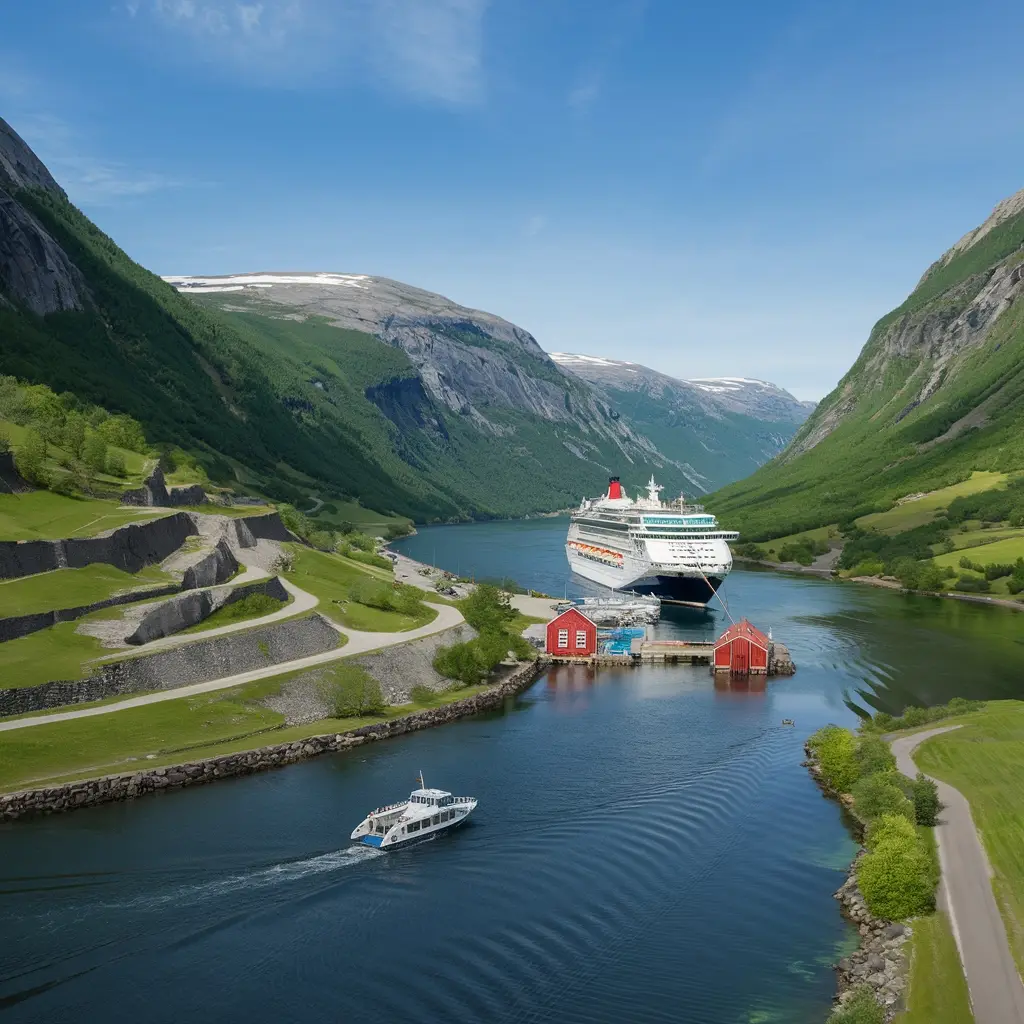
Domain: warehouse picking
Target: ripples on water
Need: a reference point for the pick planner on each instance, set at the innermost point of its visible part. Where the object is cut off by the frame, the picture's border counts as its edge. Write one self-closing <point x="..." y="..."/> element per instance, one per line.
<point x="647" y="848"/>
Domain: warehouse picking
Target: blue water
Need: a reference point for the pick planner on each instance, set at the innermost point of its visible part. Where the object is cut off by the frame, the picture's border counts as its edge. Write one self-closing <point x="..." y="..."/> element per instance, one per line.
<point x="647" y="847"/>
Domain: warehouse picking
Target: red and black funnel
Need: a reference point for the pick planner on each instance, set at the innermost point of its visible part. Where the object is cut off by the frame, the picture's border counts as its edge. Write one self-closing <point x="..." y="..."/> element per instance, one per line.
<point x="614" y="488"/>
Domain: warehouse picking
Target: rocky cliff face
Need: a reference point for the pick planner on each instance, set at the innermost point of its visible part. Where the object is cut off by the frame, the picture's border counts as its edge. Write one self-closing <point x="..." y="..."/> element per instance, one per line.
<point x="728" y="426"/>
<point x="34" y="270"/>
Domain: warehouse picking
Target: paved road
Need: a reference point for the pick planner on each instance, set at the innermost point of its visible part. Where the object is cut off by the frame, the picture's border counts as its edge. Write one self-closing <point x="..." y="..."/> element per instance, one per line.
<point x="997" y="994"/>
<point x="358" y="643"/>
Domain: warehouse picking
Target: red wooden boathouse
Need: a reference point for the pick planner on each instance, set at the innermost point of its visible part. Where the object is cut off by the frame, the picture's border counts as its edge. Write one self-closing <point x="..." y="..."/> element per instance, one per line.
<point x="742" y="648"/>
<point x="571" y="635"/>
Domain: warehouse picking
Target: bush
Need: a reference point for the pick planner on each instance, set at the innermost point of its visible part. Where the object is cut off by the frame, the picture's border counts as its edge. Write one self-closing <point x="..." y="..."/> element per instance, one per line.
<point x="835" y="750"/>
<point x="460" y="662"/>
<point x="869" y="567"/>
<point x="362" y="542"/>
<point x="925" y="795"/>
<point x="879" y="794"/>
<point x="322" y="540"/>
<point x="5" y="443"/>
<point x="972" y="585"/>
<point x="896" y="878"/>
<point x="873" y="755"/>
<point x="997" y="572"/>
<point x="115" y="464"/>
<point x="30" y="458"/>
<point x="889" y="827"/>
<point x="914" y="716"/>
<point x="352" y="692"/>
<point x="423" y="695"/>
<point x="486" y="607"/>
<point x="368" y="558"/>
<point x="862" y="1008"/>
<point x="751" y="551"/>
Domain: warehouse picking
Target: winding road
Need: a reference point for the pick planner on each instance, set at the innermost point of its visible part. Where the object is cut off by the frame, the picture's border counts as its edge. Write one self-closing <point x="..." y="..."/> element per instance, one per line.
<point x="358" y="642"/>
<point x="997" y="994"/>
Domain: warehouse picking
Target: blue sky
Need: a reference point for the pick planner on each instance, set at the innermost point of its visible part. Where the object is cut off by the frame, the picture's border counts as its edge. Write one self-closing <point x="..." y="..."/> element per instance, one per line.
<point x="711" y="189"/>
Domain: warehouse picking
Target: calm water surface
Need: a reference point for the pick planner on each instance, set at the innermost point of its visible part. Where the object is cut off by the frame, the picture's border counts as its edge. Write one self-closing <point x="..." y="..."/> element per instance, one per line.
<point x="647" y="846"/>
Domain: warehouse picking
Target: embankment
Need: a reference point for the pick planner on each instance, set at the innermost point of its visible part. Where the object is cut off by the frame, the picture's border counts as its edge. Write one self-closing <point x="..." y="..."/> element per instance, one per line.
<point x="197" y="662"/>
<point x="129" y="548"/>
<point x="88" y="793"/>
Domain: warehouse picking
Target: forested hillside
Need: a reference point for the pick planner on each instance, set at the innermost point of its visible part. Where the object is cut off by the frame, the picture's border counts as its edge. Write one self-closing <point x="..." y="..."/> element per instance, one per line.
<point x="936" y="394"/>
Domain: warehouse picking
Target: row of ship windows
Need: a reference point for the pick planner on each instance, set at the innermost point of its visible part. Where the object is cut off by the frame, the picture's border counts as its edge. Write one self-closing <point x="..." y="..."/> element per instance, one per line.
<point x="415" y="826"/>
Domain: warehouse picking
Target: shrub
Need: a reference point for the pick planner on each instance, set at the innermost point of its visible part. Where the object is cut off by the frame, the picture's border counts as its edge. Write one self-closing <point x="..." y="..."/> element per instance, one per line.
<point x="868" y="567"/>
<point x="914" y="716"/>
<point x="966" y="563"/>
<point x="368" y="558"/>
<point x="996" y="572"/>
<point x="925" y="795"/>
<point x="352" y="692"/>
<point x="30" y="459"/>
<point x="460" y="662"/>
<point x="873" y="755"/>
<point x="322" y="540"/>
<point x="889" y="827"/>
<point x="486" y="607"/>
<point x="896" y="878"/>
<point x="115" y="464"/>
<point x="362" y="542"/>
<point x="423" y="695"/>
<point x="880" y="794"/>
<point x="862" y="1008"/>
<point x="5" y="443"/>
<point x="972" y="585"/>
<point x="835" y="750"/>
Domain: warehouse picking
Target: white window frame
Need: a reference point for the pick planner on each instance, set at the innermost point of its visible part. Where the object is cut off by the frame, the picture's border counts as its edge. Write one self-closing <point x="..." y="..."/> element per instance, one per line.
<point x="563" y="638"/>
<point x="581" y="639"/>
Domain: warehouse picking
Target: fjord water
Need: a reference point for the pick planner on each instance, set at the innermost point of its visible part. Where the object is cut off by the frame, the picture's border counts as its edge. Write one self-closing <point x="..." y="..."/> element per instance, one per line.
<point x="647" y="846"/>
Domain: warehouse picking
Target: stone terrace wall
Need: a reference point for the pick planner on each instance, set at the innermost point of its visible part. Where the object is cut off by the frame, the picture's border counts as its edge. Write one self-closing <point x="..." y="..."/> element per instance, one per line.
<point x="120" y="787"/>
<point x="190" y="609"/>
<point x="196" y="662"/>
<point x="129" y="548"/>
<point x="216" y="567"/>
<point x="154" y="492"/>
<point x="268" y="526"/>
<point x="401" y="667"/>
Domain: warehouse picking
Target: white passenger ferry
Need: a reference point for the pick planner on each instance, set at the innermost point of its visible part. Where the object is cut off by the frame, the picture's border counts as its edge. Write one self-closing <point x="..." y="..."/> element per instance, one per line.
<point x="426" y="813"/>
<point x="672" y="550"/>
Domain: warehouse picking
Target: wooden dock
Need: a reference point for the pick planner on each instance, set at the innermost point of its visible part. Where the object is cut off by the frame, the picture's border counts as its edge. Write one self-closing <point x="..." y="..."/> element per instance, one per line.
<point x="678" y="652"/>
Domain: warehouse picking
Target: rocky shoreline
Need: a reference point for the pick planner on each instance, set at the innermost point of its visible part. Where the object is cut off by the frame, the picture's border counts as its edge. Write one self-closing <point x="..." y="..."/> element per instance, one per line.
<point x="880" y="959"/>
<point x="128" y="785"/>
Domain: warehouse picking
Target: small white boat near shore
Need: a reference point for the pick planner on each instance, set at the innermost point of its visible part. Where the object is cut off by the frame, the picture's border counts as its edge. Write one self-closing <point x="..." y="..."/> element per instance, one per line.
<point x="427" y="812"/>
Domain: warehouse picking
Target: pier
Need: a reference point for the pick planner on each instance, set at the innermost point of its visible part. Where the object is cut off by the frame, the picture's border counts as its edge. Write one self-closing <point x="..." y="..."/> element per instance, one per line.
<point x="681" y="652"/>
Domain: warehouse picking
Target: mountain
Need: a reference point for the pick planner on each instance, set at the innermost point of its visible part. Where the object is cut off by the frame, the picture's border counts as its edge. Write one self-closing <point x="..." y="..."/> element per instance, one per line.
<point x="936" y="393"/>
<point x="725" y="427"/>
<point x="299" y="385"/>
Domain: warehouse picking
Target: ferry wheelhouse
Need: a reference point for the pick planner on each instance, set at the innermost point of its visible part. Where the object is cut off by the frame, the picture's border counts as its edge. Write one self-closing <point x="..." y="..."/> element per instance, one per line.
<point x="672" y="550"/>
<point x="427" y="812"/>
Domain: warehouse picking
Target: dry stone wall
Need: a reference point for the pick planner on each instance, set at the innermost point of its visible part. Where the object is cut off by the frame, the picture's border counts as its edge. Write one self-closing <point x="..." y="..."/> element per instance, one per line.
<point x="129" y="548"/>
<point x="154" y="492"/>
<point x="121" y="787"/>
<point x="401" y="667"/>
<point x="197" y="662"/>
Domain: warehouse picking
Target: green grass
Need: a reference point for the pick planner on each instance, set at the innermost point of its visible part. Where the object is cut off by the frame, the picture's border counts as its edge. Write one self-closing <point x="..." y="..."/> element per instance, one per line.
<point x="329" y="577"/>
<point x="821" y="533"/>
<point x="165" y="733"/>
<point x="1004" y="551"/>
<point x="49" y="655"/>
<point x="337" y="513"/>
<point x="938" y="989"/>
<point x="922" y="510"/>
<point x="72" y="588"/>
<point x="42" y="515"/>
<point x="985" y="761"/>
<point x="255" y="606"/>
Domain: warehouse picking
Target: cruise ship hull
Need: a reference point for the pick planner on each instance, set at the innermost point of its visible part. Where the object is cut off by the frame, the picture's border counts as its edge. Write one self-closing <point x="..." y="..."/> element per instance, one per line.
<point x="674" y="588"/>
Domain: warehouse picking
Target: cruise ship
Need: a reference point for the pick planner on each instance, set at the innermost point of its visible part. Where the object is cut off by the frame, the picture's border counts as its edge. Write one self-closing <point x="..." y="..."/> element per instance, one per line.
<point x="673" y="550"/>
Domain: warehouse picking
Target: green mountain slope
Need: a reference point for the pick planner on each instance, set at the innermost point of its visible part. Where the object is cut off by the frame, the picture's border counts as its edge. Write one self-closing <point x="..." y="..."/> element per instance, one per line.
<point x="937" y="392"/>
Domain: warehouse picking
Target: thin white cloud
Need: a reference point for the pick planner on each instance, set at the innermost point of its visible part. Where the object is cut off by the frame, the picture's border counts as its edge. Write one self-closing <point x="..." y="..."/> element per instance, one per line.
<point x="430" y="49"/>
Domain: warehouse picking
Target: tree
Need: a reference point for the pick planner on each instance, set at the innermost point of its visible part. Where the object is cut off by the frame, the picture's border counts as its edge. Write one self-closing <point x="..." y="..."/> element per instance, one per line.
<point x="889" y="827"/>
<point x="460" y="662"/>
<point x="31" y="457"/>
<point x="94" y="452"/>
<point x="352" y="692"/>
<point x="880" y="794"/>
<point x="73" y="434"/>
<point x="896" y="879"/>
<point x="926" y="800"/>
<point x="834" y="749"/>
<point x="115" y="464"/>
<point x="873" y="755"/>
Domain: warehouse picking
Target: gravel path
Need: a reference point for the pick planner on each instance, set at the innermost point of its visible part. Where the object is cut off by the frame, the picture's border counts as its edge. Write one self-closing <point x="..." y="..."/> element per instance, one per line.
<point x="358" y="643"/>
<point x="997" y="994"/>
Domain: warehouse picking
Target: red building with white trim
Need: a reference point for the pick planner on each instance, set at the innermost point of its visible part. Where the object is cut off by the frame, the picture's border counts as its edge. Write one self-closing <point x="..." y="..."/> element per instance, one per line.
<point x="742" y="648"/>
<point x="571" y="635"/>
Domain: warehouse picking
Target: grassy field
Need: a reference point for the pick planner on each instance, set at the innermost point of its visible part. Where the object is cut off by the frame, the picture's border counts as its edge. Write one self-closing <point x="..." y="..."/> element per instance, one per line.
<point x="822" y="533"/>
<point x="975" y="535"/>
<point x="165" y="733"/>
<point x="1005" y="551"/>
<point x="330" y="578"/>
<point x="42" y="515"/>
<point x="922" y="510"/>
<point x="71" y="588"/>
<point x="51" y="654"/>
<point x="938" y="990"/>
<point x="985" y="761"/>
<point x="337" y="513"/>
